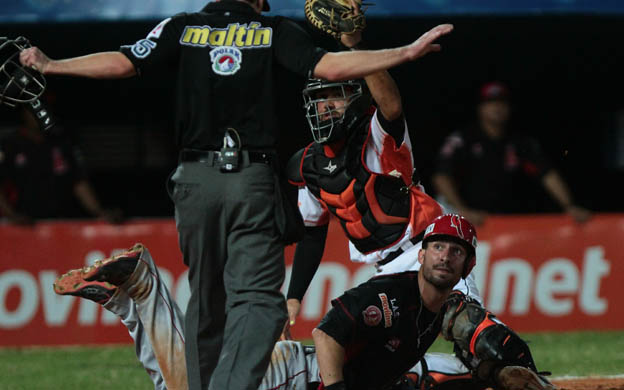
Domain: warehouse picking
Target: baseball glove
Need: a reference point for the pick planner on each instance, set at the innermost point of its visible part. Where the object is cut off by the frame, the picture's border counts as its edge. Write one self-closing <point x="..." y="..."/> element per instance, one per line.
<point x="335" y="17"/>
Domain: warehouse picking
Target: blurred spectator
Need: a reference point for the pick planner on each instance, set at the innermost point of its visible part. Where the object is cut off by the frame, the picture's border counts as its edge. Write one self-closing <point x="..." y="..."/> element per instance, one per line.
<point x="42" y="173"/>
<point x="484" y="169"/>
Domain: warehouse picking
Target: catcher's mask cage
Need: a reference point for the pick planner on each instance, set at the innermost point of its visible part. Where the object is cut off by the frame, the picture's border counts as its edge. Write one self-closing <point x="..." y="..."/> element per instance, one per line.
<point x="321" y="91"/>
<point x="18" y="84"/>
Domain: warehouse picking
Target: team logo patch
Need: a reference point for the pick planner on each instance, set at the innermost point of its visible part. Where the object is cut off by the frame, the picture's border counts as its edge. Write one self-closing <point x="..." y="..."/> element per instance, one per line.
<point x="387" y="312"/>
<point x="226" y="60"/>
<point x="372" y="315"/>
<point x="330" y="168"/>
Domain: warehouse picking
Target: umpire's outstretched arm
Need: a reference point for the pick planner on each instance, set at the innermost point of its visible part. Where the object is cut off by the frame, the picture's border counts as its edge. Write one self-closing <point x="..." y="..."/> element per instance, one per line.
<point x="358" y="64"/>
<point x="332" y="66"/>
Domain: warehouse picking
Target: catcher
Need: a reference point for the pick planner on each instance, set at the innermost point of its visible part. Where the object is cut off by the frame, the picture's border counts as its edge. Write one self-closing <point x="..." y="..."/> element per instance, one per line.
<point x="360" y="171"/>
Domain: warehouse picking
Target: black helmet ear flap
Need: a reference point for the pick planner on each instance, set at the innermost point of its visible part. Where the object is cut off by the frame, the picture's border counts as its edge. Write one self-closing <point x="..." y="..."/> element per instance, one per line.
<point x="18" y="84"/>
<point x="357" y="109"/>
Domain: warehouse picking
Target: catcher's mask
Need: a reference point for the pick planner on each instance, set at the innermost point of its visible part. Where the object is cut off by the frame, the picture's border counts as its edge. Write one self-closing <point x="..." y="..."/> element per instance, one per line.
<point x="343" y="104"/>
<point x="18" y="84"/>
<point x="458" y="229"/>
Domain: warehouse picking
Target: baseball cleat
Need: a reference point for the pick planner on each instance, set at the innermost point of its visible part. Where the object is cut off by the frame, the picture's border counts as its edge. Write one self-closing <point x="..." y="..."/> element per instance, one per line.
<point x="522" y="378"/>
<point x="72" y="283"/>
<point x="115" y="270"/>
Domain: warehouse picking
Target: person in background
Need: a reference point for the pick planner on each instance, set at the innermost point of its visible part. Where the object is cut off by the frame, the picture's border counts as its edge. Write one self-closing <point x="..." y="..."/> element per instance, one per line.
<point x="482" y="169"/>
<point x="42" y="174"/>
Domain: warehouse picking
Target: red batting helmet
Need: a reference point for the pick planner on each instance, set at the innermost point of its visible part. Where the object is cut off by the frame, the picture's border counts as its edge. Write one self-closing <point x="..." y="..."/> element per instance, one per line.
<point x="459" y="229"/>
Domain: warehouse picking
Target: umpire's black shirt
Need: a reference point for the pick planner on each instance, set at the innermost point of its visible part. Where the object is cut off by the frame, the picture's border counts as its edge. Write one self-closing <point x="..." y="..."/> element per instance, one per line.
<point x="227" y="58"/>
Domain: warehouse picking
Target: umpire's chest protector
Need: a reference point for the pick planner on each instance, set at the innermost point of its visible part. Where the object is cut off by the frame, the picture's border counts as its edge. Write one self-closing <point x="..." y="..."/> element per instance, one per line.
<point x="373" y="209"/>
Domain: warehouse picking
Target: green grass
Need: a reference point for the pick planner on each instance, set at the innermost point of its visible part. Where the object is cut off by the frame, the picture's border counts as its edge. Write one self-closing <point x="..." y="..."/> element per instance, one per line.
<point x="116" y="367"/>
<point x="72" y="368"/>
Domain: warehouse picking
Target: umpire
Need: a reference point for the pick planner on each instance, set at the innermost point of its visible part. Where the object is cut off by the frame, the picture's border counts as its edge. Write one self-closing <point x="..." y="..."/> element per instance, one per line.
<point x="224" y="188"/>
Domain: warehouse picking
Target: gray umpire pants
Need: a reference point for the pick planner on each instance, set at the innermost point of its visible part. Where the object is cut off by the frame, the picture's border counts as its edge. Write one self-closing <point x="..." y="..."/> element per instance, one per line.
<point x="229" y="240"/>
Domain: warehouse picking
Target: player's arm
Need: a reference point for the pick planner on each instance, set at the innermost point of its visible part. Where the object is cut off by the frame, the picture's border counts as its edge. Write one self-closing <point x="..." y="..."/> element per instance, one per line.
<point x="308" y="254"/>
<point x="380" y="84"/>
<point x="104" y="65"/>
<point x="309" y="250"/>
<point x="330" y="356"/>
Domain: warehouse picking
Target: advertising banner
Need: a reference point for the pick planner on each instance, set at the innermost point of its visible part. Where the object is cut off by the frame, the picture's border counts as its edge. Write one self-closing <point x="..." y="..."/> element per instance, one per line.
<point x="536" y="273"/>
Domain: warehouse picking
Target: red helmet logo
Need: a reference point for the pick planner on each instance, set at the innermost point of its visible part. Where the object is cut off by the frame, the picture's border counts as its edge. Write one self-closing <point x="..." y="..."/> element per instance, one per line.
<point x="454" y="225"/>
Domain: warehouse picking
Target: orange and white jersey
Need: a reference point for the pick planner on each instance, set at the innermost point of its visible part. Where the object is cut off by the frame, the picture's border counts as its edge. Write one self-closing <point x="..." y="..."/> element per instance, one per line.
<point x="380" y="155"/>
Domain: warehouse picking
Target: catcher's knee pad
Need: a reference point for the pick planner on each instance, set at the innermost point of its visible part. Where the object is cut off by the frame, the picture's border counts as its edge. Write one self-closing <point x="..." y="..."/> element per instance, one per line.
<point x="442" y="371"/>
<point x="479" y="334"/>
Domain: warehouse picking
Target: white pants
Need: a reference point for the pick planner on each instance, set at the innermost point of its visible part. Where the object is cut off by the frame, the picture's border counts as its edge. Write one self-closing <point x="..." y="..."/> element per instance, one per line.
<point x="155" y="323"/>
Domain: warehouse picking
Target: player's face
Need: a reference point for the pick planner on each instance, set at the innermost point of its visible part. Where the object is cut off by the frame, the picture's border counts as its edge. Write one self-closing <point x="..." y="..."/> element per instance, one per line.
<point x="442" y="263"/>
<point x="332" y="103"/>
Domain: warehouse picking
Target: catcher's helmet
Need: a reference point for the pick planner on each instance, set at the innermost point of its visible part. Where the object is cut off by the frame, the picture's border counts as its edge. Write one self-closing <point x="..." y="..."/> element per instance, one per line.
<point x="459" y="229"/>
<point x="18" y="84"/>
<point x="339" y="121"/>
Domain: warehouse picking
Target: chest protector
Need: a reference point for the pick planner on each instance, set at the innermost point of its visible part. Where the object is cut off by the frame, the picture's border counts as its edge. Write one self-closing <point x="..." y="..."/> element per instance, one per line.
<point x="373" y="209"/>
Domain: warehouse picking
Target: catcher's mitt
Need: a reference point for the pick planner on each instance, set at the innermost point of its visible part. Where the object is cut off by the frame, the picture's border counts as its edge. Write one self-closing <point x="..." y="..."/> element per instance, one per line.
<point x="335" y="17"/>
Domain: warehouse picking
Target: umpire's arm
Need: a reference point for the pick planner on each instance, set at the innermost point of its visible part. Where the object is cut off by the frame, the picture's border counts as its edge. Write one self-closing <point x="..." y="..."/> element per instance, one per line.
<point x="104" y="65"/>
<point x="358" y="64"/>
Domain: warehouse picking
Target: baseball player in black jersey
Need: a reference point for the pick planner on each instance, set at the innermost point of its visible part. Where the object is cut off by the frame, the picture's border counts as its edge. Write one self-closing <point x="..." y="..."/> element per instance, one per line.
<point x="377" y="331"/>
<point x="225" y="189"/>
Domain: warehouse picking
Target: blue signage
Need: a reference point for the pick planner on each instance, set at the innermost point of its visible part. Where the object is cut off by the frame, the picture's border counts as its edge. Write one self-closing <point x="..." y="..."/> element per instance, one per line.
<point x="119" y="10"/>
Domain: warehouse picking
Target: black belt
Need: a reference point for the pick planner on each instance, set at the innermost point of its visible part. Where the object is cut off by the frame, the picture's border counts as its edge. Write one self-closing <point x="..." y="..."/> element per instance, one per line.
<point x="211" y="156"/>
<point x="414" y="240"/>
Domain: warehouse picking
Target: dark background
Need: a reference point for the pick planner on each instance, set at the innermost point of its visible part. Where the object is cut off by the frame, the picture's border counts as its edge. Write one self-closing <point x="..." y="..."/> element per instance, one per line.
<point x="564" y="72"/>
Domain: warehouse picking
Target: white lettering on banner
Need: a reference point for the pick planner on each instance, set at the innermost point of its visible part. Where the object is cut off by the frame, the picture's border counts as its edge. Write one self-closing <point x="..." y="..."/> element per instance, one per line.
<point x="92" y="256"/>
<point x="337" y="277"/>
<point x="502" y="271"/>
<point x="557" y="284"/>
<point x="481" y="268"/>
<point x="557" y="277"/>
<point x="56" y="307"/>
<point x="556" y="289"/>
<point x="594" y="268"/>
<point x="87" y="312"/>
<point x="29" y="299"/>
<point x="108" y="318"/>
